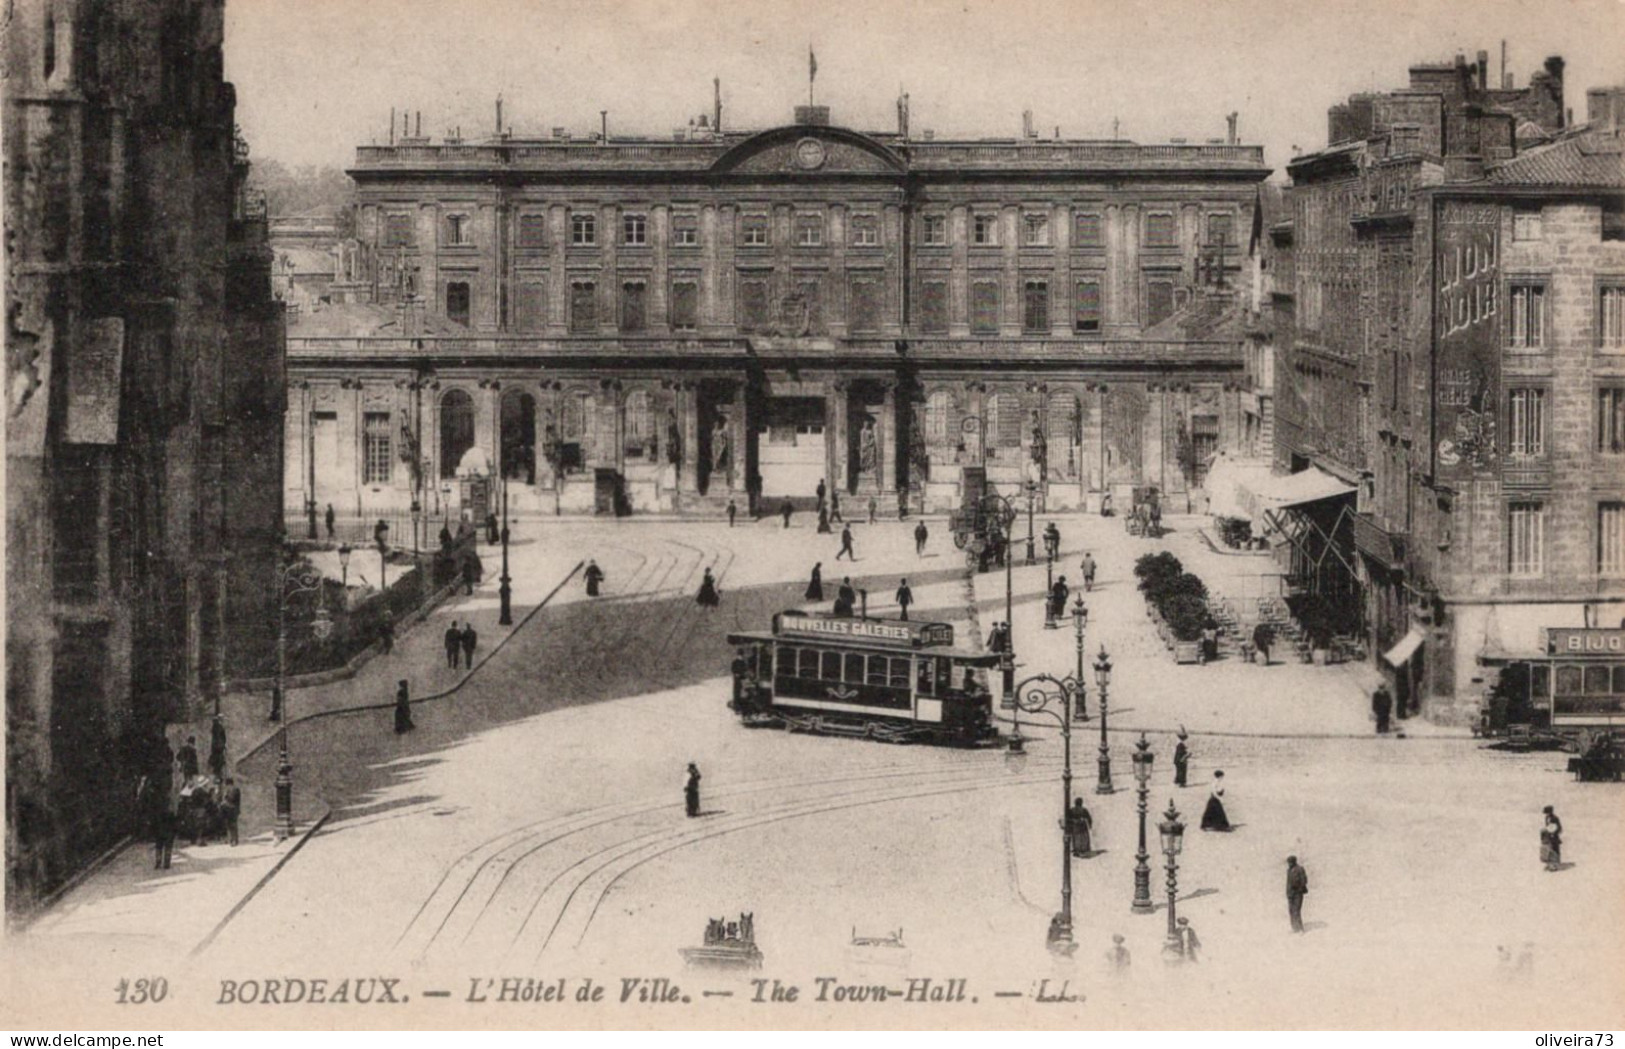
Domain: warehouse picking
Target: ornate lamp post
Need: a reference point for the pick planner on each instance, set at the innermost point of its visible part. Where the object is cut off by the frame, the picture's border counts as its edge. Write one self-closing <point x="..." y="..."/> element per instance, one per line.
<point x="293" y="577"/>
<point x="445" y="503"/>
<point x="1049" y="589"/>
<point x="1080" y="621"/>
<point x="1032" y="492"/>
<point x="1007" y="662"/>
<point x="344" y="569"/>
<point x="1103" y="679"/>
<point x="505" y="591"/>
<point x="1142" y="861"/>
<point x="417" y="515"/>
<point x="1173" y="838"/>
<point x="1043" y="694"/>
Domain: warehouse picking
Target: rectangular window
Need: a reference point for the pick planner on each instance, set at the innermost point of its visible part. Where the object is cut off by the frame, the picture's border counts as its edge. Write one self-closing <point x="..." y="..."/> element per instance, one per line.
<point x="457" y="231"/>
<point x="934" y="307"/>
<point x="685" y="305"/>
<point x="532" y="306"/>
<point x="753" y="314"/>
<point x="1528" y="323"/>
<point x="1035" y="230"/>
<point x="633" y="300"/>
<point x="685" y="231"/>
<point x="398" y="231"/>
<point x="1526" y="225"/>
<point x="583" y="229"/>
<point x="1526" y="538"/>
<point x="76" y="510"/>
<point x="830" y="670"/>
<point x="1526" y="422"/>
<point x="934" y="230"/>
<point x="866" y="299"/>
<point x="1221" y="229"/>
<point x="984" y="229"/>
<point x="583" y="307"/>
<point x="1611" y="420"/>
<point x="1088" y="231"/>
<point x="1035" y="307"/>
<point x="984" y="307"/>
<point x="809" y="231"/>
<point x="807" y="663"/>
<point x="753" y="231"/>
<point x="532" y="231"/>
<point x="1611" y="317"/>
<point x="1159" y="301"/>
<point x="1086" y="314"/>
<point x="1160" y="231"/>
<point x="375" y="441"/>
<point x="854" y="669"/>
<point x="634" y="230"/>
<point x="457" y="301"/>
<point x="1611" y="538"/>
<point x="877" y="671"/>
<point x="865" y="231"/>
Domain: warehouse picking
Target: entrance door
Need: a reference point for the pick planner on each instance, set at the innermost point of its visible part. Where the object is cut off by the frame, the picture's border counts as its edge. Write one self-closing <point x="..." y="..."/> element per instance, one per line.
<point x="791" y="454"/>
<point x="603" y="491"/>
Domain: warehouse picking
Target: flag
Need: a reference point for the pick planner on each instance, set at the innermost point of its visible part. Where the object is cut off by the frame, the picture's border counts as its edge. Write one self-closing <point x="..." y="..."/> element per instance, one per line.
<point x="812" y="64"/>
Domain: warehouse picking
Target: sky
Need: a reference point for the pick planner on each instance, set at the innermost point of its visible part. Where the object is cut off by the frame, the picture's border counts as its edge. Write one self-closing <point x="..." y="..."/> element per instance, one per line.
<point x="315" y="78"/>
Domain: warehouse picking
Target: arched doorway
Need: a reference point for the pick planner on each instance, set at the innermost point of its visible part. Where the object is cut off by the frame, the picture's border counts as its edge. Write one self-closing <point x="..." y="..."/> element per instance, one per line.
<point x="519" y="437"/>
<point x="456" y="430"/>
<point x="1063" y="436"/>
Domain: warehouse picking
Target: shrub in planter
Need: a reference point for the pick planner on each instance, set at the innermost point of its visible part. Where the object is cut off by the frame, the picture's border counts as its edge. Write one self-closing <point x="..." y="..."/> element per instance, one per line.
<point x="1157" y="573"/>
<point x="1235" y="532"/>
<point x="1264" y="637"/>
<point x="1187" y="616"/>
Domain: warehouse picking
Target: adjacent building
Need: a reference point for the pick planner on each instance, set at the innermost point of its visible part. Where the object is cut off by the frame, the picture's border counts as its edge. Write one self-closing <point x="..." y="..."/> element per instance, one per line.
<point x="144" y="412"/>
<point x="1449" y="281"/>
<point x="634" y="324"/>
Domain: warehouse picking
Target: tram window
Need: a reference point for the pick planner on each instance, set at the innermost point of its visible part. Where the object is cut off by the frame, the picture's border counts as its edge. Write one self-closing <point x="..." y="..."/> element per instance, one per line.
<point x="1568" y="680"/>
<point x="1540" y="681"/>
<point x="877" y="671"/>
<point x="1597" y="681"/>
<point x="787" y="660"/>
<point x="1619" y="680"/>
<point x="831" y="669"/>
<point x="808" y="663"/>
<point x="945" y="678"/>
<point x="899" y="673"/>
<point x="765" y="654"/>
<point x="854" y="669"/>
<point x="926" y="677"/>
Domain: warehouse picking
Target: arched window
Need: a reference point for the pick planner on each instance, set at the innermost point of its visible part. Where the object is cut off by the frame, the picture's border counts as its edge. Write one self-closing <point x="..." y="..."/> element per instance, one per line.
<point x="940" y="421"/>
<point x="640" y="428"/>
<point x="1004" y="420"/>
<point x="519" y="436"/>
<point x="577" y="443"/>
<point x="1065" y="422"/>
<point x="456" y="430"/>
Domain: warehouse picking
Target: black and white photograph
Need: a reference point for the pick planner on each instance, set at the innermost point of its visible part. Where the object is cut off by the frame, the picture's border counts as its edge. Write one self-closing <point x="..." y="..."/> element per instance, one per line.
<point x="896" y="515"/>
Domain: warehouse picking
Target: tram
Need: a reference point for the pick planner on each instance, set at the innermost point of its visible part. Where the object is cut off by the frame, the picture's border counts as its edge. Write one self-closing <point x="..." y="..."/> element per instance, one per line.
<point x="886" y="679"/>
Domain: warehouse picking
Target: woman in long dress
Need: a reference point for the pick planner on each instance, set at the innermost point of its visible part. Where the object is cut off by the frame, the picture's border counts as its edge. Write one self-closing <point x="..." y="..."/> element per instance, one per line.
<point x="1551" y="841"/>
<point x="403" y="709"/>
<point x="815" y="586"/>
<point x="708" y="597"/>
<point x="1214" y="816"/>
<point x="595" y="576"/>
<point x="1082" y="826"/>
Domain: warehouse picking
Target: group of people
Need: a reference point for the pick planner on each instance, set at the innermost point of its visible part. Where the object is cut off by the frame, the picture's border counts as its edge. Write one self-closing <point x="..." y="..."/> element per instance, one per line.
<point x="179" y="797"/>
<point x="461" y="642"/>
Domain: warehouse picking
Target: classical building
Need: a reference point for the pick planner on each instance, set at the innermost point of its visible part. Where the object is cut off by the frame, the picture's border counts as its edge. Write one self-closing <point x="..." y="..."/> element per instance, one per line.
<point x="1450" y="282"/>
<point x="144" y="393"/>
<point x="643" y="324"/>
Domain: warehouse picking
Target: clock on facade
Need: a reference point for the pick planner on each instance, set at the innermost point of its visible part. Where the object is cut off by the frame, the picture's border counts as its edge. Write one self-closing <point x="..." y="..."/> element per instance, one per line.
<point x="809" y="153"/>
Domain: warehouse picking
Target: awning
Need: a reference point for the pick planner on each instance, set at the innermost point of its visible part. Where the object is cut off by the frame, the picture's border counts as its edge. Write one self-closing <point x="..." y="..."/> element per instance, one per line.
<point x="1401" y="653"/>
<point x="1305" y="486"/>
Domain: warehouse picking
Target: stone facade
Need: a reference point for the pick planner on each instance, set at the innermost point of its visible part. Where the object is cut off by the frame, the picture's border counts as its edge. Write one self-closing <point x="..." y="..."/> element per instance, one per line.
<point x="145" y="398"/>
<point x="736" y="316"/>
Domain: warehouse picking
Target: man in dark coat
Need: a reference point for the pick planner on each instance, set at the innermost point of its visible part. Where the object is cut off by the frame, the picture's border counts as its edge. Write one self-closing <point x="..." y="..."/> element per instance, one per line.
<point x="187" y="756"/>
<point x="1297" y="887"/>
<point x="691" y="790"/>
<point x="469" y="639"/>
<point x="1057" y="597"/>
<point x="380" y="534"/>
<point x="822" y="492"/>
<point x="330" y="519"/>
<point x="921" y="534"/>
<point x="217" y="748"/>
<point x="595" y="577"/>
<point x="733" y="511"/>
<point x="835" y="507"/>
<point x="163" y="828"/>
<point x="471" y="572"/>
<point x="445" y="537"/>
<point x="846" y="598"/>
<point x="846" y="544"/>
<point x="905" y="597"/>
<point x="231" y="807"/>
<point x="823" y="520"/>
<point x="403" y="709"/>
<point x="785" y="510"/>
<point x="1182" y="759"/>
<point x="1382" y="705"/>
<point x="454" y="642"/>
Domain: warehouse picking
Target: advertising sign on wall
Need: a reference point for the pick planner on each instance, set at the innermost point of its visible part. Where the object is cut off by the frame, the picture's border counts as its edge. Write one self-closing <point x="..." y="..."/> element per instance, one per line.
<point x="1467" y="381"/>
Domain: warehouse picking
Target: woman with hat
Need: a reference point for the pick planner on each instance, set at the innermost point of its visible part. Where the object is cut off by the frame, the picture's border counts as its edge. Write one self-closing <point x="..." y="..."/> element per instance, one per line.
<point x="1551" y="840"/>
<point x="1214" y="816"/>
<point x="1182" y="758"/>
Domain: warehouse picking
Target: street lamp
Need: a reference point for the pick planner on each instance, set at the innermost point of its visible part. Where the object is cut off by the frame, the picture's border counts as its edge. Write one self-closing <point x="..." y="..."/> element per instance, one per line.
<point x="1007" y="664"/>
<point x="1080" y="620"/>
<point x="1142" y="861"/>
<point x="1049" y="590"/>
<point x="1032" y="492"/>
<point x="417" y="516"/>
<point x="344" y="568"/>
<point x="1103" y="679"/>
<point x="505" y="592"/>
<point x="293" y="577"/>
<point x="1040" y="694"/>
<point x="1173" y="837"/>
<point x="445" y="502"/>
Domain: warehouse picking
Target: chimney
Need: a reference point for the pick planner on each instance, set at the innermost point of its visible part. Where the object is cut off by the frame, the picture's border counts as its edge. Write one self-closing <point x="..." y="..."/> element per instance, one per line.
<point x="1027" y="124"/>
<point x="1503" y="77"/>
<point x="499" y="116"/>
<point x="1230" y="135"/>
<point x="392" y="125"/>
<point x="902" y="115"/>
<point x="603" y="126"/>
<point x="418" y="132"/>
<point x="1483" y="70"/>
<point x="716" y="104"/>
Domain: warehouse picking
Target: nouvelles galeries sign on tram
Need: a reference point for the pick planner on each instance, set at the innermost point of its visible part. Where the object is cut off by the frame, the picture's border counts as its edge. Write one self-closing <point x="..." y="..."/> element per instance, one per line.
<point x="922" y="634"/>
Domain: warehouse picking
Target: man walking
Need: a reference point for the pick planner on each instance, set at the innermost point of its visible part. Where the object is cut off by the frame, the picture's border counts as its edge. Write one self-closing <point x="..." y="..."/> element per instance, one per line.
<point x="823" y="490"/>
<point x="905" y="597"/>
<point x="846" y="544"/>
<point x="454" y="641"/>
<point x="733" y="511"/>
<point x="1088" y="571"/>
<point x="163" y="829"/>
<point x="231" y="806"/>
<point x="1382" y="705"/>
<point x="187" y="756"/>
<point x="1182" y="758"/>
<point x="1297" y="887"/>
<point x="469" y="639"/>
<point x="874" y="510"/>
<point x="1188" y="943"/>
<point x="1057" y="596"/>
<point x="835" y="506"/>
<point x="331" y="517"/>
<point x="920" y="536"/>
<point x="691" y="791"/>
<point x="785" y="510"/>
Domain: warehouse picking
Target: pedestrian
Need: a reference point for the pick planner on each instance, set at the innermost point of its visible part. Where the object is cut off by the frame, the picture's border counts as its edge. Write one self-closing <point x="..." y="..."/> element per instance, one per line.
<point x="815" y="586"/>
<point x="905" y="597"/>
<point x="187" y="756"/>
<point x="1052" y="539"/>
<point x="1057" y="598"/>
<point x="594" y="576"/>
<point x="874" y="509"/>
<point x="1297" y="887"/>
<point x="691" y="790"/>
<point x="835" y="506"/>
<point x="822" y="491"/>
<point x="1382" y="705"/>
<point x="386" y="631"/>
<point x="471" y="571"/>
<point x="491" y="529"/>
<point x="403" y="709"/>
<point x="708" y="596"/>
<point x="785" y="510"/>
<point x="231" y="806"/>
<point x="1188" y="943"/>
<point x="1263" y="638"/>
<point x="331" y="517"/>
<point x="469" y="639"/>
<point x="1080" y="826"/>
<point x="380" y="534"/>
<point x="445" y="537"/>
<point x="1551" y="840"/>
<point x="999" y="637"/>
<point x="733" y="511"/>
<point x="1182" y="758"/>
<point x="846" y="544"/>
<point x="276" y="705"/>
<point x="823" y="520"/>
<point x="454" y="644"/>
<point x="217" y="748"/>
<point x="1214" y="817"/>
<point x="845" y="597"/>
<point x="163" y="830"/>
<point x="921" y="534"/>
<point x="1118" y="956"/>
<point x="1088" y="571"/>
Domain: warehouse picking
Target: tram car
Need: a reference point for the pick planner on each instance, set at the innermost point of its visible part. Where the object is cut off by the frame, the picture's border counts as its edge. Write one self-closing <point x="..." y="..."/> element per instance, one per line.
<point x="886" y="679"/>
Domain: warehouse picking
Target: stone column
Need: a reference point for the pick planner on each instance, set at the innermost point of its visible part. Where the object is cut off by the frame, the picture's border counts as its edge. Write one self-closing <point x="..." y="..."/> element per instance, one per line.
<point x="839" y="410"/>
<point x="1095" y="440"/>
<point x="688" y="420"/>
<point x="959" y="282"/>
<point x="886" y="439"/>
<point x="493" y="429"/>
<point x="737" y="462"/>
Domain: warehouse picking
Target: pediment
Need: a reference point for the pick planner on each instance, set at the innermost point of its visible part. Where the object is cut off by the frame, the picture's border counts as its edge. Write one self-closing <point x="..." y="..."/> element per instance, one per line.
<point x="810" y="151"/>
